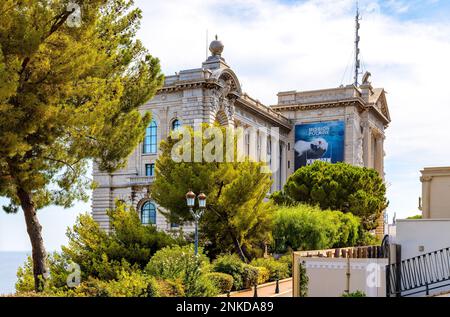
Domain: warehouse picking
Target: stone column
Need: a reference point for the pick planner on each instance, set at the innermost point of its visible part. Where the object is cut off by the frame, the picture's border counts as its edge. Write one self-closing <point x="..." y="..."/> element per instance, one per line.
<point x="164" y="123"/>
<point x="283" y="164"/>
<point x="252" y="144"/>
<point x="367" y="144"/>
<point x="426" y="193"/>
<point x="379" y="155"/>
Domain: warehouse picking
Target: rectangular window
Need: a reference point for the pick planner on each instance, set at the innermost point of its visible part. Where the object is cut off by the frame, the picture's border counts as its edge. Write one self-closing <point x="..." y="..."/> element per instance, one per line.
<point x="151" y="139"/>
<point x="150" y="169"/>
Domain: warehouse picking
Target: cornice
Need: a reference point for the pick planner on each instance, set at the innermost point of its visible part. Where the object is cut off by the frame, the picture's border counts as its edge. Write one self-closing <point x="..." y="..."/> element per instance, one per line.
<point x="322" y="105"/>
<point x="266" y="112"/>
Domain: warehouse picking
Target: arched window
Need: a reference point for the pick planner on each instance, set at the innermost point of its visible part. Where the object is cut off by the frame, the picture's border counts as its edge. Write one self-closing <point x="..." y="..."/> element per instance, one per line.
<point x="176" y="125"/>
<point x="151" y="138"/>
<point x="148" y="213"/>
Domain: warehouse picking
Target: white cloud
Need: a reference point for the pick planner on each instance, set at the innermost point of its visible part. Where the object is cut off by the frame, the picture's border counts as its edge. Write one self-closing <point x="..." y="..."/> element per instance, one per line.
<point x="299" y="46"/>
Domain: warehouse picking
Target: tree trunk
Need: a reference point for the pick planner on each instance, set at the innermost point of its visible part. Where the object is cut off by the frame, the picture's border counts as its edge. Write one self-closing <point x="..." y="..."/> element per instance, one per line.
<point x="34" y="229"/>
<point x="239" y="250"/>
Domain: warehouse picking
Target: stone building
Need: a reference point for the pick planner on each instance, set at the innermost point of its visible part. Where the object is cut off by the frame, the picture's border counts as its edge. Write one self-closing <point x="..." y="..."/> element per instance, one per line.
<point x="435" y="200"/>
<point x="212" y="93"/>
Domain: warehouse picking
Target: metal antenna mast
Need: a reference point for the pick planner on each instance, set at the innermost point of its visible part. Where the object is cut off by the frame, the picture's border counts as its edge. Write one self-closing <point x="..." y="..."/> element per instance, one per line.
<point x="357" y="39"/>
<point x="206" y="46"/>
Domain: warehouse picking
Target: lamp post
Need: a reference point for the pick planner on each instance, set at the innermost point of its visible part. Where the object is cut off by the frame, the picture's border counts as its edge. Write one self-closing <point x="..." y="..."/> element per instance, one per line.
<point x="190" y="200"/>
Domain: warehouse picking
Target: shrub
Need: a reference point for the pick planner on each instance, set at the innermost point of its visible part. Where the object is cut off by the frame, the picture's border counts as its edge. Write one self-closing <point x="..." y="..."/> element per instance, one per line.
<point x="287" y="260"/>
<point x="173" y="262"/>
<point x="367" y="238"/>
<point x="181" y="263"/>
<point x="92" y="287"/>
<point x="249" y="276"/>
<point x="305" y="227"/>
<point x="57" y="264"/>
<point x="170" y="288"/>
<point x="304" y="281"/>
<point x="276" y="269"/>
<point x="354" y="294"/>
<point x="263" y="275"/>
<point x="133" y="284"/>
<point x="25" y="278"/>
<point x="231" y="264"/>
<point x="222" y="281"/>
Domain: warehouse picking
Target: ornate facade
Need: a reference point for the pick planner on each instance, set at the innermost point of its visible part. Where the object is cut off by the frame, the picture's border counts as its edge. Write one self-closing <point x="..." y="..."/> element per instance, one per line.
<point x="212" y="93"/>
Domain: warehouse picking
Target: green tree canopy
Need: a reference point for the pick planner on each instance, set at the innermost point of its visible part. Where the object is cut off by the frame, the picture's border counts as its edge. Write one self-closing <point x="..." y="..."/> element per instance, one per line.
<point x="236" y="219"/>
<point x="68" y="94"/>
<point x="339" y="186"/>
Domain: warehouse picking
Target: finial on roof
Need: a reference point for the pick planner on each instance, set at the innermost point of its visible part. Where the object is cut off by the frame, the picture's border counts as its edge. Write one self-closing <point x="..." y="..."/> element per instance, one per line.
<point x="216" y="47"/>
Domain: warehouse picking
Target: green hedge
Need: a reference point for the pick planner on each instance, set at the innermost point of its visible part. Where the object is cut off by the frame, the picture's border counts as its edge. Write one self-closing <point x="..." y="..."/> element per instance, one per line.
<point x="231" y="264"/>
<point x="276" y="269"/>
<point x="249" y="276"/>
<point x="263" y="275"/>
<point x="222" y="281"/>
<point x="259" y="271"/>
<point x="305" y="227"/>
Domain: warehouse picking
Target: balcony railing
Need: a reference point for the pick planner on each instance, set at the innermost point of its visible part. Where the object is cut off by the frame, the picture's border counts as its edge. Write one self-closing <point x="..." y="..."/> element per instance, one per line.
<point x="141" y="180"/>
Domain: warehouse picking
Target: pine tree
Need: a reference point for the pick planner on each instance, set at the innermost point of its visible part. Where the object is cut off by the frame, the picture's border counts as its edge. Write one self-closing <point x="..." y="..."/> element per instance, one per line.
<point x="69" y="94"/>
<point x="236" y="218"/>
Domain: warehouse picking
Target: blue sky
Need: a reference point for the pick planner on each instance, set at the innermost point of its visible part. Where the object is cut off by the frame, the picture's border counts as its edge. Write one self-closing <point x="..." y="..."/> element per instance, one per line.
<point x="300" y="45"/>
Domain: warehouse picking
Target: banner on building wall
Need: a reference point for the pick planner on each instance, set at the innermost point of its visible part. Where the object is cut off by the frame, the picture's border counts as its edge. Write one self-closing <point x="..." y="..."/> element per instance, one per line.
<point x="324" y="141"/>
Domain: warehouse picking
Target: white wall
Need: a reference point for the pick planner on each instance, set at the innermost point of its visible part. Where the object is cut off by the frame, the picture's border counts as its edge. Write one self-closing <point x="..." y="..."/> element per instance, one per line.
<point x="328" y="276"/>
<point x="431" y="234"/>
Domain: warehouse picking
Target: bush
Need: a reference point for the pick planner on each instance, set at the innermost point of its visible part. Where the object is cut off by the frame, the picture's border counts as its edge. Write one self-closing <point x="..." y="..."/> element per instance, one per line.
<point x="354" y="294"/>
<point x="231" y="264"/>
<point x="181" y="263"/>
<point x="305" y="227"/>
<point x="222" y="281"/>
<point x="133" y="284"/>
<point x="244" y="275"/>
<point x="25" y="277"/>
<point x="287" y="260"/>
<point x="57" y="264"/>
<point x="92" y="287"/>
<point x="304" y="281"/>
<point x="276" y="269"/>
<point x="170" y="288"/>
<point x="249" y="276"/>
<point x="367" y="238"/>
<point x="263" y="275"/>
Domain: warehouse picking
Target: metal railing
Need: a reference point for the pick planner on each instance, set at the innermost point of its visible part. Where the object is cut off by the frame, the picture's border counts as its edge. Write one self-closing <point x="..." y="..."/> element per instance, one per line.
<point x="419" y="274"/>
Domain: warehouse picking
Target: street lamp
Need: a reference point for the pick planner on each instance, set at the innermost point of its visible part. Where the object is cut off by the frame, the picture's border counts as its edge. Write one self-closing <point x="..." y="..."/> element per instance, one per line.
<point x="190" y="200"/>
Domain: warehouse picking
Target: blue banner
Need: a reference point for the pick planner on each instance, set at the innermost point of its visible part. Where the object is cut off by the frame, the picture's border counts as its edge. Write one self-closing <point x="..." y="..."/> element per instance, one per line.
<point x="324" y="141"/>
